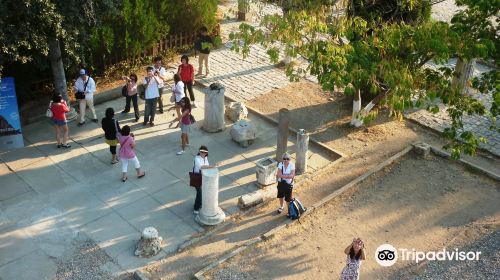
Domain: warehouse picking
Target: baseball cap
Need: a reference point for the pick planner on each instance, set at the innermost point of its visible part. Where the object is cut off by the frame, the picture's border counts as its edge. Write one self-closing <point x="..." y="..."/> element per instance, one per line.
<point x="83" y="72"/>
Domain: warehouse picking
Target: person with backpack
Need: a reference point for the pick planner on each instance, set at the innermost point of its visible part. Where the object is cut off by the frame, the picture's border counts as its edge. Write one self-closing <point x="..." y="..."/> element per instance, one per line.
<point x="355" y="254"/>
<point x="84" y="92"/>
<point x="186" y="71"/>
<point x="111" y="128"/>
<point x="203" y="45"/>
<point x="59" y="109"/>
<point x="184" y="123"/>
<point x="127" y="153"/>
<point x="285" y="175"/>
<point x="131" y="90"/>
<point x="151" y="94"/>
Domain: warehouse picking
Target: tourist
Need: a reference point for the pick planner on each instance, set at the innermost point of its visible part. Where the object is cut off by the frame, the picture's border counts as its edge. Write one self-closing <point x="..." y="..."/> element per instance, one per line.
<point x="284" y="175"/>
<point x="161" y="74"/>
<point x="200" y="162"/>
<point x="203" y="45"/>
<point x="355" y="253"/>
<point x="85" y="88"/>
<point x="59" y="109"/>
<point x="111" y="128"/>
<point x="151" y="95"/>
<point x="127" y="153"/>
<point x="185" y="123"/>
<point x="178" y="91"/>
<point x="186" y="71"/>
<point x="131" y="95"/>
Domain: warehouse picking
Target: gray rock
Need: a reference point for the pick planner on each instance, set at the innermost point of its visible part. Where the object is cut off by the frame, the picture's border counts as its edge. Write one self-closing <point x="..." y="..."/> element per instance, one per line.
<point x="236" y="111"/>
<point x="266" y="171"/>
<point x="243" y="132"/>
<point x="150" y="243"/>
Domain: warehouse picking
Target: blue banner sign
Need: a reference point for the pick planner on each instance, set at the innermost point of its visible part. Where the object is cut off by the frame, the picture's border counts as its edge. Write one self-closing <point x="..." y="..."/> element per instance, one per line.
<point x="10" y="123"/>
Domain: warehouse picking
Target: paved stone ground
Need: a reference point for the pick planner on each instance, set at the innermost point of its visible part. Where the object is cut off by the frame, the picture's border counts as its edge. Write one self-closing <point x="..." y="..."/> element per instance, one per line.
<point x="54" y="200"/>
<point x="247" y="79"/>
<point x="479" y="125"/>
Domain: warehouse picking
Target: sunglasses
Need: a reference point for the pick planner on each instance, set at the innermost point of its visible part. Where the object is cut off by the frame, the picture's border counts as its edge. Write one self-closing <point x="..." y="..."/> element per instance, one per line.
<point x="286" y="159"/>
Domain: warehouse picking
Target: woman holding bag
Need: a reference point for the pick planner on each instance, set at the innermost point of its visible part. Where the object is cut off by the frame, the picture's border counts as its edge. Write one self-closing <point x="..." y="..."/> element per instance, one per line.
<point x="200" y="162"/>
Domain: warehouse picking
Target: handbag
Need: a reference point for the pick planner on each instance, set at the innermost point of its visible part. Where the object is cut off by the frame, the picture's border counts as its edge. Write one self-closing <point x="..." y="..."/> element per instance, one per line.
<point x="49" y="113"/>
<point x="81" y="94"/>
<point x="125" y="91"/>
<point x="195" y="179"/>
<point x="191" y="118"/>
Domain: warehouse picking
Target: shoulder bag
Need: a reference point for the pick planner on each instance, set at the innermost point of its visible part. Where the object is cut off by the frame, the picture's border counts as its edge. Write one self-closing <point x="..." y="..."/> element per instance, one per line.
<point x="195" y="179"/>
<point x="49" y="113"/>
<point x="81" y="94"/>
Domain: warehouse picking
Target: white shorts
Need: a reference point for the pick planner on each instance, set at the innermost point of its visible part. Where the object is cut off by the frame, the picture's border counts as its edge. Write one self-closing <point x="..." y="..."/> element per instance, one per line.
<point x="125" y="163"/>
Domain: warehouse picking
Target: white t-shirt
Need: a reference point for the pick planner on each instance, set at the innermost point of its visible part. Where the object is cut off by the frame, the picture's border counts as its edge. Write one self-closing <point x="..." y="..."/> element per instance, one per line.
<point x="286" y="171"/>
<point x="199" y="162"/>
<point x="178" y="90"/>
<point x="151" y="89"/>
<point x="163" y="72"/>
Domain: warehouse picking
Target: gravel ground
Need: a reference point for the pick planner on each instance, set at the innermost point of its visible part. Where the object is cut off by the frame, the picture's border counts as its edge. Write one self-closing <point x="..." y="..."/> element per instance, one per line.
<point x="85" y="264"/>
<point x="487" y="267"/>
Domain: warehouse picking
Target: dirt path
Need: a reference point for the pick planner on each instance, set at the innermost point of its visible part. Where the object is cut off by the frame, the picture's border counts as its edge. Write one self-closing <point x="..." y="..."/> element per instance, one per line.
<point x="422" y="204"/>
<point x="327" y="121"/>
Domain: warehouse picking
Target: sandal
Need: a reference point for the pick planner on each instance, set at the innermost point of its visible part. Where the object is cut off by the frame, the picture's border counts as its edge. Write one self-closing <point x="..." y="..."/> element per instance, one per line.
<point x="124" y="179"/>
<point x="114" y="161"/>
<point x="140" y="176"/>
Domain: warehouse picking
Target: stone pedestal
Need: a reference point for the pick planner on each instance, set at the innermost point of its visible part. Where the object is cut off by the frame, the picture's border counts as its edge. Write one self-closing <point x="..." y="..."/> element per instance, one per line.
<point x="150" y="243"/>
<point x="266" y="171"/>
<point x="236" y="111"/>
<point x="210" y="212"/>
<point x="243" y="9"/>
<point x="214" y="108"/>
<point x="243" y="132"/>
<point x="302" y="149"/>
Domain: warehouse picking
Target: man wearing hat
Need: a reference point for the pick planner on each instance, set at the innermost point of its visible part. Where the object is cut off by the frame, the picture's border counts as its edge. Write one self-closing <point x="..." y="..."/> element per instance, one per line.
<point x="85" y="88"/>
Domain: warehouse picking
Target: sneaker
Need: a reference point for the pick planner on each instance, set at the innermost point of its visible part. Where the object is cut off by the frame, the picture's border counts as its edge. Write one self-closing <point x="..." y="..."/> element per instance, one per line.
<point x="114" y="161"/>
<point x="160" y="112"/>
<point x="66" y="146"/>
<point x="194" y="105"/>
<point x="81" y="123"/>
<point x="124" y="112"/>
<point x="180" y="152"/>
<point x="59" y="145"/>
<point x="152" y="124"/>
<point x="196" y="212"/>
<point x="144" y="124"/>
<point x="136" y="119"/>
<point x="95" y="120"/>
<point x="280" y="210"/>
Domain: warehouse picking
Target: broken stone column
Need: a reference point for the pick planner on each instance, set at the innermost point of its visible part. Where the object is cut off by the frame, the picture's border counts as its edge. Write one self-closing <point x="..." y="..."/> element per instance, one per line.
<point x="236" y="111"/>
<point x="210" y="212"/>
<point x="302" y="149"/>
<point x="243" y="132"/>
<point x="266" y="171"/>
<point x="282" y="137"/>
<point x="150" y="243"/>
<point x="422" y="149"/>
<point x="214" y="108"/>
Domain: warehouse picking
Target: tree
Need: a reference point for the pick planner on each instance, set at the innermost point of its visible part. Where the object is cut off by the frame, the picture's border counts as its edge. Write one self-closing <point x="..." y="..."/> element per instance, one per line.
<point x="381" y="52"/>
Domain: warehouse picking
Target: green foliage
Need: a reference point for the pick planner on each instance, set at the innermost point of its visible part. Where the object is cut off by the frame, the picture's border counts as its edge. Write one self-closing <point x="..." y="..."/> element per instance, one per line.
<point x="382" y="48"/>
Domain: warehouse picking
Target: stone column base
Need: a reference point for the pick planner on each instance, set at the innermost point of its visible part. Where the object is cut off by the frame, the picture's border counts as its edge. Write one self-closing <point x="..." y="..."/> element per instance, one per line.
<point x="211" y="220"/>
<point x="71" y="115"/>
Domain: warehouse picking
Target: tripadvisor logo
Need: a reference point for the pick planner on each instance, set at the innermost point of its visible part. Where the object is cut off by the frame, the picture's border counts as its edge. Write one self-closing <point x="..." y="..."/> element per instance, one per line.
<point x="387" y="255"/>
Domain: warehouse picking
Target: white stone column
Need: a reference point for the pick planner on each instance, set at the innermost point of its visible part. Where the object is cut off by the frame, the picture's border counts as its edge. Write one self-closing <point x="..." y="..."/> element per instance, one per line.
<point x="214" y="108"/>
<point x="210" y="212"/>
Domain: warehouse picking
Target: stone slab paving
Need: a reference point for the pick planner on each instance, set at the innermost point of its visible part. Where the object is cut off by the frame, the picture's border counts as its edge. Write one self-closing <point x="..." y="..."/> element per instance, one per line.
<point x="479" y="125"/>
<point x="53" y="199"/>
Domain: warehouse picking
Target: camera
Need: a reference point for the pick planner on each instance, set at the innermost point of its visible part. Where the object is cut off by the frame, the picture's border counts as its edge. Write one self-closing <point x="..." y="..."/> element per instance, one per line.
<point x="386" y="255"/>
